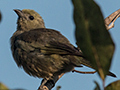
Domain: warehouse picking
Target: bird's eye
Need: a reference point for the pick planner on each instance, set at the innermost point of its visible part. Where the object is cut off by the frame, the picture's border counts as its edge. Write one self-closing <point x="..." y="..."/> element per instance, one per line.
<point x="31" y="17"/>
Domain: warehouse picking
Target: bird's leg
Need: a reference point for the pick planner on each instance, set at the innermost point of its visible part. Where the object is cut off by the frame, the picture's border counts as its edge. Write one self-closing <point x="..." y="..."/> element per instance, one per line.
<point x="51" y="83"/>
<point x="83" y="72"/>
<point x="43" y="81"/>
<point x="60" y="75"/>
<point x="48" y="84"/>
<point x="42" y="86"/>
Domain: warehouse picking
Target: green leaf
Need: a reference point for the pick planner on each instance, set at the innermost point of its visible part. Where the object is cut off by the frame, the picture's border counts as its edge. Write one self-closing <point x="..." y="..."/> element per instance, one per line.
<point x="97" y="86"/>
<point x="3" y="87"/>
<point x="92" y="37"/>
<point x="113" y="86"/>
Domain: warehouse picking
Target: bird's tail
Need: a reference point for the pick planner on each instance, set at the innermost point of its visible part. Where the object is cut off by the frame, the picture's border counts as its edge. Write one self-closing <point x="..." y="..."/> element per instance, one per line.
<point x="88" y="64"/>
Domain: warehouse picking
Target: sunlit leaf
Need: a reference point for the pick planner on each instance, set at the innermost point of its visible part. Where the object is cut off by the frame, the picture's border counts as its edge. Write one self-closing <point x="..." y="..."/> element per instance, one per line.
<point x="92" y="36"/>
<point x="113" y="86"/>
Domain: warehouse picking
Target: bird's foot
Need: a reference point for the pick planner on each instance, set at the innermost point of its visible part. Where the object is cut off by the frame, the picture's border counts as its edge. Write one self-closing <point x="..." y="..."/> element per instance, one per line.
<point x="46" y="84"/>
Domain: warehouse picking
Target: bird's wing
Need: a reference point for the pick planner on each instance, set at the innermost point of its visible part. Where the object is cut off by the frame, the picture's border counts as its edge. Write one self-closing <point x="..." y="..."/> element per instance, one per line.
<point x="46" y="41"/>
<point x="61" y="48"/>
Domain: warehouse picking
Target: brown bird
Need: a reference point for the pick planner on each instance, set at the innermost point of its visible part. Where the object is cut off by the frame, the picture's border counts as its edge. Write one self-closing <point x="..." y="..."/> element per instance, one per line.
<point x="42" y="52"/>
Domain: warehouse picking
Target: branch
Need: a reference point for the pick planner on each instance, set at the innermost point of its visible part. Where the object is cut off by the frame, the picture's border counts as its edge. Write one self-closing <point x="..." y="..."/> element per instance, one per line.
<point x="110" y="20"/>
<point x="84" y="72"/>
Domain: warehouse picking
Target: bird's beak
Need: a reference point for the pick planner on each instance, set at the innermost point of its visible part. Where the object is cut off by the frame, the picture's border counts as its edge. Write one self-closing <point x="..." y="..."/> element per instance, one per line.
<point x="19" y="12"/>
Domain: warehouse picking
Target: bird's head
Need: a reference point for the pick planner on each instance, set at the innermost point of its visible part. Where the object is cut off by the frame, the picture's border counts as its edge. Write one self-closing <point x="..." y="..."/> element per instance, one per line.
<point x="28" y="19"/>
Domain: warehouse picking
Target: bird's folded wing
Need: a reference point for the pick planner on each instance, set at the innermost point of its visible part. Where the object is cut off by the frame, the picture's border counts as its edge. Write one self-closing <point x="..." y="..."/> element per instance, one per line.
<point x="61" y="48"/>
<point x="50" y="48"/>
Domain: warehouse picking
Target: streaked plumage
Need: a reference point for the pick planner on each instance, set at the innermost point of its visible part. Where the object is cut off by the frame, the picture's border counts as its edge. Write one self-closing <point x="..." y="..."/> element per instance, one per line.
<point x="40" y="51"/>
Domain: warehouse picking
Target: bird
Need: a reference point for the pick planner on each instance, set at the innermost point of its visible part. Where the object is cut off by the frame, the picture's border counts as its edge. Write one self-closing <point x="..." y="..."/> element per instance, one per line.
<point x="42" y="52"/>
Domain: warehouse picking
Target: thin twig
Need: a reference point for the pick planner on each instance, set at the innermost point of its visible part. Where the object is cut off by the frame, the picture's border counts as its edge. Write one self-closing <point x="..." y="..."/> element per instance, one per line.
<point x="110" y="20"/>
<point x="84" y="72"/>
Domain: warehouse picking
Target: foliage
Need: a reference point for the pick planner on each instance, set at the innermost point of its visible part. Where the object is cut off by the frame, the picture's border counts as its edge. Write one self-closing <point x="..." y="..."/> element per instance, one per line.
<point x="113" y="86"/>
<point x="92" y="37"/>
<point x="3" y="87"/>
